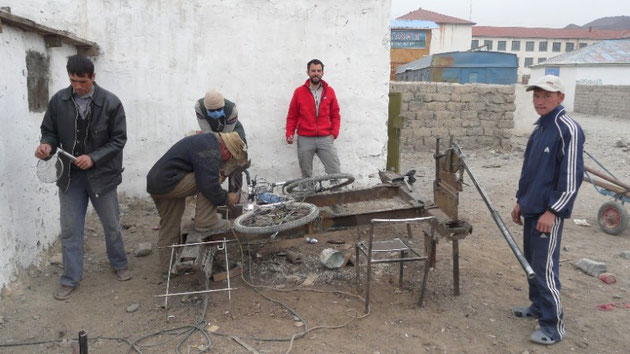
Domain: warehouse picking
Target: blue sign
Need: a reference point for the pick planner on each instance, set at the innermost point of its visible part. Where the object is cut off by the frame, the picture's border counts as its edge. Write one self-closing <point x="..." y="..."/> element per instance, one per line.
<point x="552" y="70"/>
<point x="409" y="39"/>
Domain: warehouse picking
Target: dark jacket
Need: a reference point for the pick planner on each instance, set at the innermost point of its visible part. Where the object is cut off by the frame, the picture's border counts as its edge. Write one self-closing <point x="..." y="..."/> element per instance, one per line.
<point x="200" y="154"/>
<point x="553" y="168"/>
<point x="106" y="137"/>
<point x="302" y="113"/>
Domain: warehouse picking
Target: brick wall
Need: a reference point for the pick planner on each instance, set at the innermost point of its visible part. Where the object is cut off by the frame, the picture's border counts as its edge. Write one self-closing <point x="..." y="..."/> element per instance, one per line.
<point x="476" y="116"/>
<point x="606" y="100"/>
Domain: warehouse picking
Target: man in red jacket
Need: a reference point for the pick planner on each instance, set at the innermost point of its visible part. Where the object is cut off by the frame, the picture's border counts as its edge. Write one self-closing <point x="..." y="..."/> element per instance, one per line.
<point x="314" y="112"/>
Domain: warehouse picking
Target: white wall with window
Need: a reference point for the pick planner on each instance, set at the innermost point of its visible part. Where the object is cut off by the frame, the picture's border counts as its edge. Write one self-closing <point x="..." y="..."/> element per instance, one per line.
<point x="159" y="57"/>
<point x="618" y="74"/>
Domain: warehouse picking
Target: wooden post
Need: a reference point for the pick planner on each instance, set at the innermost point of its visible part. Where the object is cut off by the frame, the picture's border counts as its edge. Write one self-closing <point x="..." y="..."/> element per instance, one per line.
<point x="395" y="122"/>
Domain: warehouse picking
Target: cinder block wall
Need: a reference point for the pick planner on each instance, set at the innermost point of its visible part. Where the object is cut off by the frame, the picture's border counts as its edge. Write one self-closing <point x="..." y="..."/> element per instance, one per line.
<point x="606" y="100"/>
<point x="477" y="116"/>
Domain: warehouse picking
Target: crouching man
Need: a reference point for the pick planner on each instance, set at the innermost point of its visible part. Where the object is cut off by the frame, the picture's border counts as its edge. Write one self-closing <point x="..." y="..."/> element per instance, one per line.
<point x="195" y="165"/>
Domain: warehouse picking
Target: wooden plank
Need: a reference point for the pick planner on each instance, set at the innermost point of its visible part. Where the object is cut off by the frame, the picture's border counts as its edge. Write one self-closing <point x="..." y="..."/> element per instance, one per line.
<point x="31" y="26"/>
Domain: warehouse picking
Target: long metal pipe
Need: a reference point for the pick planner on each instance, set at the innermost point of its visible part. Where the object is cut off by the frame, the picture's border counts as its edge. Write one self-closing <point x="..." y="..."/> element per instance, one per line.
<point x="497" y="218"/>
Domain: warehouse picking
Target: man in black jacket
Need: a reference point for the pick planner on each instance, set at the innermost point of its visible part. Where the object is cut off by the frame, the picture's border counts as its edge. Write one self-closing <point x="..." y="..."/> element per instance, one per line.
<point x="195" y="165"/>
<point x="88" y="122"/>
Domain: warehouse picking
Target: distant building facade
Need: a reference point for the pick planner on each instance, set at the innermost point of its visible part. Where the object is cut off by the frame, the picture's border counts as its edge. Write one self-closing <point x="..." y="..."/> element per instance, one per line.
<point x="536" y="45"/>
<point x="441" y="34"/>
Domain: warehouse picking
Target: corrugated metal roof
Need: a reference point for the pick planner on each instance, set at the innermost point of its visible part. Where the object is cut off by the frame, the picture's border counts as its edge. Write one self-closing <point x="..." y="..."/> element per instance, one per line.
<point x="461" y="60"/>
<point x="553" y="33"/>
<point x="604" y="52"/>
<point x="427" y="15"/>
<point x="412" y="24"/>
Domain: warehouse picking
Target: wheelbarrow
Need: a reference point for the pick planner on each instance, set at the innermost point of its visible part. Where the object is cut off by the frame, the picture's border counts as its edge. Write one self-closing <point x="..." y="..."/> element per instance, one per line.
<point x="612" y="215"/>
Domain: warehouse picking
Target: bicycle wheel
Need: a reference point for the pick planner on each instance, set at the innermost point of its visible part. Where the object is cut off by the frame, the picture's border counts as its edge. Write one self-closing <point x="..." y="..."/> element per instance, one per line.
<point x="312" y="185"/>
<point x="276" y="217"/>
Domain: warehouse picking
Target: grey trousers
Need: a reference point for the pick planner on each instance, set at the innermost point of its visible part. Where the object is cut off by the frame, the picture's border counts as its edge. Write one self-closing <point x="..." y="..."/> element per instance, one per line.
<point x="324" y="147"/>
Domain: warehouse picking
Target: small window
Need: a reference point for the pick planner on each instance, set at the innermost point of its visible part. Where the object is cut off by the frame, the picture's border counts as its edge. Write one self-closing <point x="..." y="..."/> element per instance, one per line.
<point x="516" y="46"/>
<point x="501" y="45"/>
<point x="542" y="46"/>
<point x="542" y="60"/>
<point x="474" y="44"/>
<point x="556" y="46"/>
<point x="529" y="46"/>
<point x="473" y="77"/>
<point x="582" y="45"/>
<point x="570" y="46"/>
<point x="37" y="67"/>
<point x="529" y="62"/>
<point x="488" y="43"/>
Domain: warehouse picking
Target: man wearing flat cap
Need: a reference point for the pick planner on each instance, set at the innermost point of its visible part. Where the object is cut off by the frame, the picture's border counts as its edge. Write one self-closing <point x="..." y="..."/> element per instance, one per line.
<point x="550" y="178"/>
<point x="195" y="165"/>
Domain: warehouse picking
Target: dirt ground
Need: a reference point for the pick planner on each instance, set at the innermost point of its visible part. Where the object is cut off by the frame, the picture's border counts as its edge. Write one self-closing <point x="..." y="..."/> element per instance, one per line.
<point x="477" y="321"/>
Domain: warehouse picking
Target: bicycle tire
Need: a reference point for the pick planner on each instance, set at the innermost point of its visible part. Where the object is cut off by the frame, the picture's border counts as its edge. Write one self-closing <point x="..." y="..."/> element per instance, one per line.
<point x="240" y="224"/>
<point x="345" y="179"/>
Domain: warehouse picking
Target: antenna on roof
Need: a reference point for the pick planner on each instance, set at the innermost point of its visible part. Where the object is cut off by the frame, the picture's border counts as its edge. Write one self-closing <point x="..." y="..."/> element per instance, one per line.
<point x="470" y="14"/>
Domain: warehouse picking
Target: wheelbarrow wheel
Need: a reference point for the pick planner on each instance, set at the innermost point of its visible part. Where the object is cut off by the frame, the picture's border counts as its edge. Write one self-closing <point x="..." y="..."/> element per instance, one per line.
<point x="612" y="218"/>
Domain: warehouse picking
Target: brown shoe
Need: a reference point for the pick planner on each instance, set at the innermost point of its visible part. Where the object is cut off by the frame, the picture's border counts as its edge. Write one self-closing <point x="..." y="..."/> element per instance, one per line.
<point x="123" y="274"/>
<point x="63" y="293"/>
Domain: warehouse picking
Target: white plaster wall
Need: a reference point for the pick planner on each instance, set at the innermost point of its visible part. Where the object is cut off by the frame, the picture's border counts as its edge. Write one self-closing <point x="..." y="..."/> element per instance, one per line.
<point x="524" y="115"/>
<point x="160" y="56"/>
<point x="567" y="76"/>
<point x="450" y="38"/>
<point x="30" y="211"/>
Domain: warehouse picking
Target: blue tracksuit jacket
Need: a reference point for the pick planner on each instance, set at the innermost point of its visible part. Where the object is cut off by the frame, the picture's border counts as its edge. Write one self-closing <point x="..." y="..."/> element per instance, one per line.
<point x="553" y="168"/>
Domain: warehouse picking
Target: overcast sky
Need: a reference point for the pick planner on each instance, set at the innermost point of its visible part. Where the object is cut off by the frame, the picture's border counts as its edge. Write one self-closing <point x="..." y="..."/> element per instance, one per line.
<point x="530" y="13"/>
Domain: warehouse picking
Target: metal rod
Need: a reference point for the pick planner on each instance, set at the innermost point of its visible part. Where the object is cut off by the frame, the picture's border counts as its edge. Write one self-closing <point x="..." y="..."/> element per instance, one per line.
<point x="410" y="220"/>
<point x="194" y="292"/>
<point x="83" y="342"/>
<point x="168" y="281"/>
<point x="507" y="235"/>
<point x="456" y="266"/>
<point x="176" y="245"/>
<point x="66" y="154"/>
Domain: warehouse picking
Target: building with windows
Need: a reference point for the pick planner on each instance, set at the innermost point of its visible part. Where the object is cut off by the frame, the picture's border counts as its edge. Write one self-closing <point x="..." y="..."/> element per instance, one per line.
<point x="536" y="45"/>
<point x="596" y="78"/>
<point x="422" y="32"/>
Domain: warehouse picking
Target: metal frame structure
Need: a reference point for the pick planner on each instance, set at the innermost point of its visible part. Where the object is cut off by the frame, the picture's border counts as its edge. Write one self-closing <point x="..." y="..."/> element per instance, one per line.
<point x="371" y="249"/>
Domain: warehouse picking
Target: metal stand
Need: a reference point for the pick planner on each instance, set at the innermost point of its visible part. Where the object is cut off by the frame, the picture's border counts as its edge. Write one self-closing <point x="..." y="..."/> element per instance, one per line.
<point x="204" y="264"/>
<point x="371" y="249"/>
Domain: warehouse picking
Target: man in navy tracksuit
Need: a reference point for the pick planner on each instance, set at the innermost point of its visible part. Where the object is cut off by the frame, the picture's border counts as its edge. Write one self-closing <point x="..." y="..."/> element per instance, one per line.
<point x="551" y="176"/>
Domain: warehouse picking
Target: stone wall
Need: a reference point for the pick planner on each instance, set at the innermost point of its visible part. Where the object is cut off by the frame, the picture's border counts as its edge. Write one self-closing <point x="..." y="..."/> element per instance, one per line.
<point x="476" y="116"/>
<point x="606" y="100"/>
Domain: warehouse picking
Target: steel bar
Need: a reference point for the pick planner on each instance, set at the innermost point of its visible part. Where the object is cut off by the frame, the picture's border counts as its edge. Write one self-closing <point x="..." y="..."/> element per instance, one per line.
<point x="196" y="243"/>
<point x="456" y="266"/>
<point x="497" y="218"/>
<point x="195" y="292"/>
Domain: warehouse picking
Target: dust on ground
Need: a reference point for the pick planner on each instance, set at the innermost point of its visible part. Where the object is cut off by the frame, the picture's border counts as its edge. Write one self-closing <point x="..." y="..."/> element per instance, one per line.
<point x="477" y="321"/>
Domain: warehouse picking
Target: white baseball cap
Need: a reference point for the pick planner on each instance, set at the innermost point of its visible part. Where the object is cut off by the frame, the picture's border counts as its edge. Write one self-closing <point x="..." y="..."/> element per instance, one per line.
<point x="549" y="83"/>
